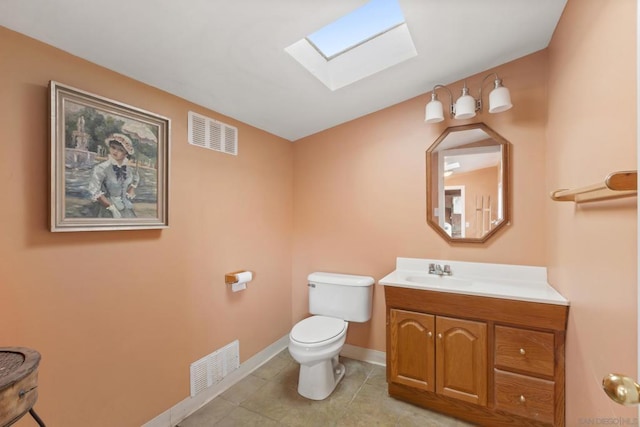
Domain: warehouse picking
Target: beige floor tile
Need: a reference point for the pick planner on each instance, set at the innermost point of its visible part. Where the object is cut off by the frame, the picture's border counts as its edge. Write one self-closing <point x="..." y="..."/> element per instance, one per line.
<point x="429" y="419"/>
<point x="284" y="354"/>
<point x="275" y="400"/>
<point x="356" y="370"/>
<point x="288" y="375"/>
<point x="209" y="414"/>
<point x="244" y="389"/>
<point x="360" y="418"/>
<point x="378" y="376"/>
<point x="373" y="403"/>
<point x="241" y="417"/>
<point x="307" y="417"/>
<point x="337" y="403"/>
<point x="269" y="397"/>
<point x="272" y="368"/>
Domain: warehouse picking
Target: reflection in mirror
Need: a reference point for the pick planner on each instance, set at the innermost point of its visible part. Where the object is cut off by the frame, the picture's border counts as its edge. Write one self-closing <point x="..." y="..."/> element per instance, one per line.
<point x="467" y="183"/>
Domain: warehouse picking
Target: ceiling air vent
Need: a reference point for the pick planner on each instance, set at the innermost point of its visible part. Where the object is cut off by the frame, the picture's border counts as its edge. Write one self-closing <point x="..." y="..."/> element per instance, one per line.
<point x="212" y="134"/>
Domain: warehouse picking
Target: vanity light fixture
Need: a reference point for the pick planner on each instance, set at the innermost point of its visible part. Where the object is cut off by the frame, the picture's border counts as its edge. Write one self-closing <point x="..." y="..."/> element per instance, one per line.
<point x="467" y="106"/>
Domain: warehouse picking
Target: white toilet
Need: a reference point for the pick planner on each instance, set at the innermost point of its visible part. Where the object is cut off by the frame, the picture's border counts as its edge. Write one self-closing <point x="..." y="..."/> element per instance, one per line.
<point x="315" y="342"/>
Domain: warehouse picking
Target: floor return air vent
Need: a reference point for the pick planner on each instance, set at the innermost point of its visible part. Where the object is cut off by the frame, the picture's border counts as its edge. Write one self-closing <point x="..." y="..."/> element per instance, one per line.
<point x="212" y="368"/>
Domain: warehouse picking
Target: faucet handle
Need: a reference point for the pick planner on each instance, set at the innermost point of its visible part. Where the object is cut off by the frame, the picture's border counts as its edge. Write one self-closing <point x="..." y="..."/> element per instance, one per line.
<point x="432" y="268"/>
<point x="447" y="270"/>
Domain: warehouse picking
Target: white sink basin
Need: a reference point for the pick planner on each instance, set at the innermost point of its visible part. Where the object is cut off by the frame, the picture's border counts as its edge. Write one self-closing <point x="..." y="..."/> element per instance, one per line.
<point x="516" y="282"/>
<point x="438" y="281"/>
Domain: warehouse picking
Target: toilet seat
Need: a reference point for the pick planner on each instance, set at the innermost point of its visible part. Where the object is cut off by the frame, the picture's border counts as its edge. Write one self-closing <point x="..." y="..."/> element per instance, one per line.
<point x="317" y="330"/>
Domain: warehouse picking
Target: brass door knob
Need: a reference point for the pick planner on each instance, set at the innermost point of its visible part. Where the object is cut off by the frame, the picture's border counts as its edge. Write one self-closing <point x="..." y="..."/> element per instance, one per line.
<point x="621" y="389"/>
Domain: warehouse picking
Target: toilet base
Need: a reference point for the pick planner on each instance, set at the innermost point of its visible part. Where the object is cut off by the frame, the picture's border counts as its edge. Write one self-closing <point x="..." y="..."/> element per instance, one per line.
<point x="317" y="381"/>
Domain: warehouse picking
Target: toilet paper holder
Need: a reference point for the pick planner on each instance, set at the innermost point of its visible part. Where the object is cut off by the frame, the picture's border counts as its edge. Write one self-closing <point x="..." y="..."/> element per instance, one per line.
<point x="231" y="278"/>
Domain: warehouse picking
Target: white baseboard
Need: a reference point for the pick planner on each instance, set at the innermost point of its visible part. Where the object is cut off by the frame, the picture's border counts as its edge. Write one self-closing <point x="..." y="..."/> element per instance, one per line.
<point x="364" y="354"/>
<point x="182" y="410"/>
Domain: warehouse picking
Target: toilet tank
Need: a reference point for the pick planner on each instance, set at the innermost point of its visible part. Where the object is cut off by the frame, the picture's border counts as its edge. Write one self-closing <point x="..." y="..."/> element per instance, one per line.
<point x="345" y="296"/>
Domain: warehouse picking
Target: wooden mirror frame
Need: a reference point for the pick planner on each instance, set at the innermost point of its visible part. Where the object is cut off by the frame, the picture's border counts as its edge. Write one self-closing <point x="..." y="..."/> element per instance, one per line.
<point x="433" y="183"/>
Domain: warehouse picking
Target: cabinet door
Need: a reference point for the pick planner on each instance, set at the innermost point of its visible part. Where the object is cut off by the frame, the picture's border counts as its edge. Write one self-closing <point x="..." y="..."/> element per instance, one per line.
<point x="412" y="349"/>
<point x="461" y="359"/>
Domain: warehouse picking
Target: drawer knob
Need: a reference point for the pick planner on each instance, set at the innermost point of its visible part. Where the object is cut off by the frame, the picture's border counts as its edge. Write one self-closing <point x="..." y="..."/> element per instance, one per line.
<point x="522" y="352"/>
<point x="522" y="399"/>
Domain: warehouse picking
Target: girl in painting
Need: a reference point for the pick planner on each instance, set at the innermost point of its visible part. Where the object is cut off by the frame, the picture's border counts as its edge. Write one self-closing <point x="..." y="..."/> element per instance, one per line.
<point x="113" y="182"/>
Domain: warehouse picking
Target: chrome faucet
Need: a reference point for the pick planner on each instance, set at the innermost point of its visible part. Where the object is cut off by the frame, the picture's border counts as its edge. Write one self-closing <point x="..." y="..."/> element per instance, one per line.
<point x="439" y="270"/>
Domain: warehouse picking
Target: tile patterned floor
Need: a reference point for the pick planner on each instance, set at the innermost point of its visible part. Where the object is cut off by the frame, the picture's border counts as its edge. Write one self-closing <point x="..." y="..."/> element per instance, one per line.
<point x="269" y="397"/>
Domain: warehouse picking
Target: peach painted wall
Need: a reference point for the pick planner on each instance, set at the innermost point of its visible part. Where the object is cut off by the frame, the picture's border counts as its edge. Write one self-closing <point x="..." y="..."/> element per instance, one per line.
<point x="359" y="192"/>
<point x="592" y="248"/>
<point x="119" y="316"/>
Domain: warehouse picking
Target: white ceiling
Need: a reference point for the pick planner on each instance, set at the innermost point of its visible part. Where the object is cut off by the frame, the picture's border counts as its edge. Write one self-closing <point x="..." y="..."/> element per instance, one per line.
<point x="228" y="55"/>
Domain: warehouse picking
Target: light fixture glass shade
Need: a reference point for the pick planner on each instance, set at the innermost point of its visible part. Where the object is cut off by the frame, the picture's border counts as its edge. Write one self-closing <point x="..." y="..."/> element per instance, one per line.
<point x="465" y="107"/>
<point x="499" y="99"/>
<point x="433" y="112"/>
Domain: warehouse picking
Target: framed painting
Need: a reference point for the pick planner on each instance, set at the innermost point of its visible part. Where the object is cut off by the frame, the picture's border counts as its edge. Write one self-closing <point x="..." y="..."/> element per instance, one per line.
<point x="109" y="164"/>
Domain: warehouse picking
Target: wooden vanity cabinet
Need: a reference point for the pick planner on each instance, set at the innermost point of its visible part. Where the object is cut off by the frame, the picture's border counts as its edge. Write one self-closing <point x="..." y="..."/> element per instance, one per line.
<point x="439" y="354"/>
<point x="486" y="360"/>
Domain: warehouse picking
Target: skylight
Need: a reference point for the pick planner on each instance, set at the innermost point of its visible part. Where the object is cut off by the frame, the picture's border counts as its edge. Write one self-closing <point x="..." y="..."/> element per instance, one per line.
<point x="363" y="24"/>
<point x="364" y="42"/>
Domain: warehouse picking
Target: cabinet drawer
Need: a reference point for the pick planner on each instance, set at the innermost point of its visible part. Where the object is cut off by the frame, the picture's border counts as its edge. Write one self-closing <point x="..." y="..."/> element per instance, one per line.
<point x="525" y="396"/>
<point x="525" y="350"/>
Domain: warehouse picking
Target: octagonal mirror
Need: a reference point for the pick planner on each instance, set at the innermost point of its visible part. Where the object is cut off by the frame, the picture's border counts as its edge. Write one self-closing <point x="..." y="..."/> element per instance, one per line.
<point x="468" y="195"/>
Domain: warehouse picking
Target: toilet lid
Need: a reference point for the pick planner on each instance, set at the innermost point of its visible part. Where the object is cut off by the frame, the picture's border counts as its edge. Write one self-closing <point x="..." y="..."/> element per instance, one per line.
<point x="317" y="329"/>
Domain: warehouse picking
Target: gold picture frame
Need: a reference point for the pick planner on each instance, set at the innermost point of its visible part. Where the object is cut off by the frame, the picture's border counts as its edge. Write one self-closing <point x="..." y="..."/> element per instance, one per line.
<point x="109" y="164"/>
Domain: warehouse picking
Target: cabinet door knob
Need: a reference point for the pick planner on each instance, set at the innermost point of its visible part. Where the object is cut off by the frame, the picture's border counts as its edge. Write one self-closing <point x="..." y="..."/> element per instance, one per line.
<point x="522" y="399"/>
<point x="429" y="334"/>
<point x="439" y="336"/>
<point x="522" y="352"/>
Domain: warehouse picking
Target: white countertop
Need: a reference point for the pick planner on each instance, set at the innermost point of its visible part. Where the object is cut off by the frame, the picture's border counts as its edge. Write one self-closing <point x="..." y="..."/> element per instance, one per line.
<point x="515" y="282"/>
